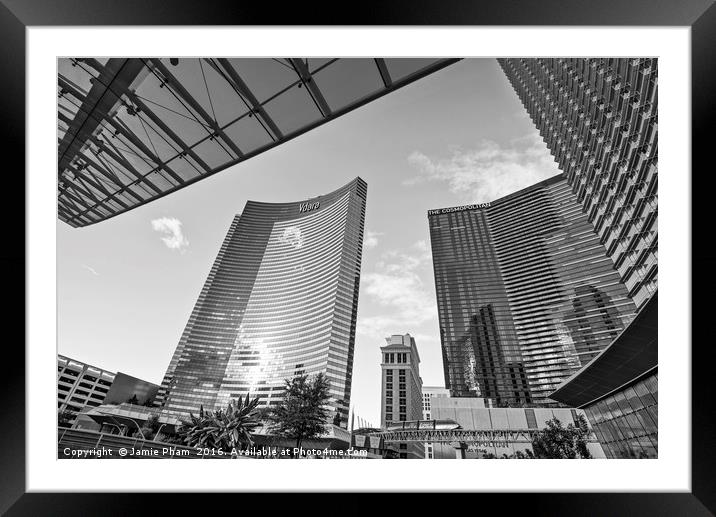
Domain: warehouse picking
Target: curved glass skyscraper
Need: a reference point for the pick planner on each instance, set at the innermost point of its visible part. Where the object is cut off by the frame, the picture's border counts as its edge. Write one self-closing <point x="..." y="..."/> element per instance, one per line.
<point x="526" y="293"/>
<point x="280" y="301"/>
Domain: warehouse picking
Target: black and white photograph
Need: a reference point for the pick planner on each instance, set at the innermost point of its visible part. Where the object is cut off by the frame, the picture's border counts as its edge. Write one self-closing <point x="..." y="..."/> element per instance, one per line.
<point x="357" y="258"/>
<point x="292" y="253"/>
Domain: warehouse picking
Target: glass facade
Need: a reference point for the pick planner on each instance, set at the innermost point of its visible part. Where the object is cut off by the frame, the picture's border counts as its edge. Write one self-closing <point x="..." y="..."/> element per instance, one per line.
<point x="526" y="294"/>
<point x="626" y="422"/>
<point x="599" y="119"/>
<point x="280" y="300"/>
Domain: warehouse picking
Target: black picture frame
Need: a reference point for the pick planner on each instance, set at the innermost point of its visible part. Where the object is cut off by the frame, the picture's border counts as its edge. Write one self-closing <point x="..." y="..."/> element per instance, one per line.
<point x="17" y="15"/>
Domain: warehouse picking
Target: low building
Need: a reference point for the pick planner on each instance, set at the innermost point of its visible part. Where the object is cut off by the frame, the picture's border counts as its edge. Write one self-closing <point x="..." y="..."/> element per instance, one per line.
<point x="81" y="387"/>
<point x="618" y="389"/>
<point x="432" y="391"/>
<point x="508" y="428"/>
<point x="428" y="392"/>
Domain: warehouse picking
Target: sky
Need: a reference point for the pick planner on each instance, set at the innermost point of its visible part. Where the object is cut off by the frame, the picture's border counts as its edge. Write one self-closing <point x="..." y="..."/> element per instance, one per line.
<point x="126" y="286"/>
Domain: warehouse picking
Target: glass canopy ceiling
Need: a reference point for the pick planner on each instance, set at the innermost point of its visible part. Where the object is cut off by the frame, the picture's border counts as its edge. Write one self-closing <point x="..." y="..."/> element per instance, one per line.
<point x="133" y="130"/>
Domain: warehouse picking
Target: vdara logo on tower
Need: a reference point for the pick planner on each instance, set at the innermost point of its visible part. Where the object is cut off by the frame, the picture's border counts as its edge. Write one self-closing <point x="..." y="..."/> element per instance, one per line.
<point x="307" y="207"/>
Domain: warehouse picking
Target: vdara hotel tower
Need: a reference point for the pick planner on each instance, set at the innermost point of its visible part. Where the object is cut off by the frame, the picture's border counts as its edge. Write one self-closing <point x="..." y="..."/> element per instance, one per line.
<point x="280" y="300"/>
<point x="598" y="118"/>
<point x="526" y="293"/>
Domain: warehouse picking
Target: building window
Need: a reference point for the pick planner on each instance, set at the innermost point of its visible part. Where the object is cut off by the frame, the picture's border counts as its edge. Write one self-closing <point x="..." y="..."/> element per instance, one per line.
<point x="531" y="420"/>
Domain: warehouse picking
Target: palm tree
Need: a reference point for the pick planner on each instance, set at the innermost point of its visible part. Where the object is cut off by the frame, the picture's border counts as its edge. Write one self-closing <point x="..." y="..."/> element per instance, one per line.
<point x="224" y="429"/>
<point x="64" y="418"/>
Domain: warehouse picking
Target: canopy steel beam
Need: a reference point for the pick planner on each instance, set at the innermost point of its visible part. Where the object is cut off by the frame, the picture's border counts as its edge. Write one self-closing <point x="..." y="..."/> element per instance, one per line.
<point x="119" y="158"/>
<point x="131" y="137"/>
<point x="311" y="86"/>
<point x="134" y="140"/>
<point x="73" y="90"/>
<point x="242" y="89"/>
<point x="89" y="178"/>
<point x="114" y="182"/>
<point x="176" y="86"/>
<point x="168" y="131"/>
<point x="68" y="191"/>
<point x="383" y="70"/>
<point x="121" y="187"/>
<point x="96" y="105"/>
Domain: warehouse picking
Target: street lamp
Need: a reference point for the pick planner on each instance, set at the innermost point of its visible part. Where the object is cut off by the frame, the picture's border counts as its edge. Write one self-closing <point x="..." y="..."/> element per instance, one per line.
<point x="157" y="433"/>
<point x="114" y="425"/>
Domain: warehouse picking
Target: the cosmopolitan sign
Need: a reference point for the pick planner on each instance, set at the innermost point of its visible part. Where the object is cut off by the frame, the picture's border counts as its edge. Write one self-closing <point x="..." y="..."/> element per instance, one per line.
<point x="307" y="207"/>
<point x="458" y="208"/>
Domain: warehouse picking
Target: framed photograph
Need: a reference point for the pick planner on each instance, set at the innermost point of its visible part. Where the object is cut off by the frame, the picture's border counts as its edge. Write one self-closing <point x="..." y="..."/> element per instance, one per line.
<point x="431" y="236"/>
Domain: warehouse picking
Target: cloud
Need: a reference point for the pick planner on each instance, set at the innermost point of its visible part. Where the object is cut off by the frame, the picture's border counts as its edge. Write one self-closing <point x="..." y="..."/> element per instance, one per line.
<point x="90" y="269"/>
<point x="397" y="289"/>
<point x="370" y="239"/>
<point x="173" y="236"/>
<point x="488" y="171"/>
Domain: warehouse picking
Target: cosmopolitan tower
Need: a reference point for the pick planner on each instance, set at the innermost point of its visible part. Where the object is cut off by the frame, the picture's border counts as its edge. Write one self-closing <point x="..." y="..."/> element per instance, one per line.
<point x="526" y="294"/>
<point x="280" y="301"/>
